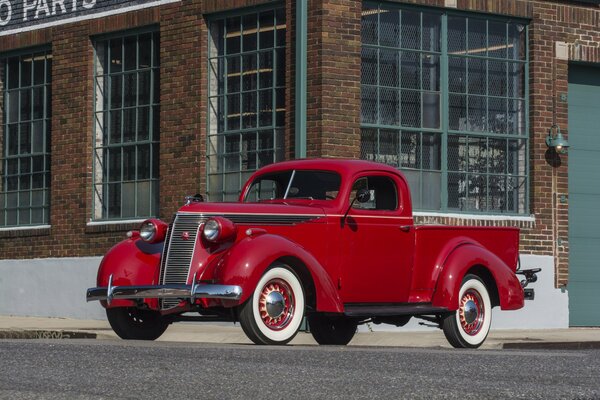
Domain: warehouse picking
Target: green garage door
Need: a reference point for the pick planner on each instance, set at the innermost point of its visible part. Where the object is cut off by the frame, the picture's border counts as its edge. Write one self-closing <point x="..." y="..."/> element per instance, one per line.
<point x="584" y="195"/>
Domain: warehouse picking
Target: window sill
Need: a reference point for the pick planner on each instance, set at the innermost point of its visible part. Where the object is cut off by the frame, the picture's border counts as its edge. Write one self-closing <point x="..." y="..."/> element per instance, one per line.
<point x="438" y="218"/>
<point x="112" y="226"/>
<point x="25" y="231"/>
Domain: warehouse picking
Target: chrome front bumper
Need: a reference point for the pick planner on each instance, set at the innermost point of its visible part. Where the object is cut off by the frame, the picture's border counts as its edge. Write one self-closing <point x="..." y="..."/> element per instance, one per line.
<point x="184" y="292"/>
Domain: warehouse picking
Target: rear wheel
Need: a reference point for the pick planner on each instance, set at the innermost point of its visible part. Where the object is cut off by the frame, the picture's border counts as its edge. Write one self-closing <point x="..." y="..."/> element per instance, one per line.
<point x="135" y="324"/>
<point x="331" y="330"/>
<point x="469" y="326"/>
<point x="272" y="315"/>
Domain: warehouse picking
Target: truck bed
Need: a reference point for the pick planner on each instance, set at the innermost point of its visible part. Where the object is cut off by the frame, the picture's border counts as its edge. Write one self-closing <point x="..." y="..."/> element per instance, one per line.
<point x="433" y="243"/>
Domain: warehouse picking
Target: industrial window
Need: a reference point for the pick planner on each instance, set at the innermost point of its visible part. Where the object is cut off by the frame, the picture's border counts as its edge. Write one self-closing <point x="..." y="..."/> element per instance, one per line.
<point x="444" y="99"/>
<point x="247" y="98"/>
<point x="25" y="141"/>
<point x="126" y="146"/>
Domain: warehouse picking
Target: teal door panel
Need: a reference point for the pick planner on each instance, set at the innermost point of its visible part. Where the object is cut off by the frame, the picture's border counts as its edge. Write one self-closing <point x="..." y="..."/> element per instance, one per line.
<point x="584" y="219"/>
<point x="587" y="180"/>
<point x="585" y="311"/>
<point x="584" y="195"/>
<point x="586" y="250"/>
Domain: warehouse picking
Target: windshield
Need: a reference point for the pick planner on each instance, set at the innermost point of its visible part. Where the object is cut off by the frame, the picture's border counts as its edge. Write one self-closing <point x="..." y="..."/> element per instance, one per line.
<point x="294" y="184"/>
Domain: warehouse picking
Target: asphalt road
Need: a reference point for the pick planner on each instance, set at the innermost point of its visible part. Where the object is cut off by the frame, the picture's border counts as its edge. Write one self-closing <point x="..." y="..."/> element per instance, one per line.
<point x="93" y="369"/>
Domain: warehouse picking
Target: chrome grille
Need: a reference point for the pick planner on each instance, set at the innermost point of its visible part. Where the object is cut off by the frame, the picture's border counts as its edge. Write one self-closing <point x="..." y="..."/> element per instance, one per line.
<point x="177" y="257"/>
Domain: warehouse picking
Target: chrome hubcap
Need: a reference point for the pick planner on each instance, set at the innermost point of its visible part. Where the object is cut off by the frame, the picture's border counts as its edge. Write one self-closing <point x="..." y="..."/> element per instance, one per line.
<point x="275" y="304"/>
<point x="471" y="312"/>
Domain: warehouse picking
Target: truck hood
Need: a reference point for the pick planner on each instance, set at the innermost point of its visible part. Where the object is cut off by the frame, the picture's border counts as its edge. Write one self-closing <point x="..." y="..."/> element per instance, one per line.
<point x="256" y="212"/>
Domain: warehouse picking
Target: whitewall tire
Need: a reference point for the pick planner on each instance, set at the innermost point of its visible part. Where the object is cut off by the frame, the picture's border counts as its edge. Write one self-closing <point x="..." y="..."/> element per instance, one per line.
<point x="469" y="326"/>
<point x="274" y="312"/>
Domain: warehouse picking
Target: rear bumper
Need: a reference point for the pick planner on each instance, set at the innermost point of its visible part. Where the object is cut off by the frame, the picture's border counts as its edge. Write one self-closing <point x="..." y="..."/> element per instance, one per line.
<point x="183" y="292"/>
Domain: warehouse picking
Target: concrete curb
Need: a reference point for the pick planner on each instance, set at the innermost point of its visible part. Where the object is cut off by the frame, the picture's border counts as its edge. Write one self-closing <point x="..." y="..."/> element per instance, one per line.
<point x="46" y="334"/>
<point x="552" y="345"/>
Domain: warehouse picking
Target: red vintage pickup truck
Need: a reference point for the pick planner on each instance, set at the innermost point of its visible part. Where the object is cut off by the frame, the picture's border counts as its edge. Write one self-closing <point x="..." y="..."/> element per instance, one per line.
<point x="330" y="240"/>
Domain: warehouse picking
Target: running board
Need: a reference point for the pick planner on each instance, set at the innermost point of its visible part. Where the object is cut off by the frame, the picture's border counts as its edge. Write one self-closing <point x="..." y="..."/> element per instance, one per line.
<point x="388" y="310"/>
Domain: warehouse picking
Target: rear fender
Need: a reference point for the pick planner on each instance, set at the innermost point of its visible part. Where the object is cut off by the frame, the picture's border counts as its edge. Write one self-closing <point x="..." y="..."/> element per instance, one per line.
<point x="247" y="260"/>
<point x="131" y="262"/>
<point x="469" y="257"/>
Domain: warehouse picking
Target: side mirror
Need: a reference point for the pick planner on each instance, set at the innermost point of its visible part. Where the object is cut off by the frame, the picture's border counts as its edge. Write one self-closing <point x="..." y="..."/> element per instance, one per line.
<point x="363" y="195"/>
<point x="197" y="198"/>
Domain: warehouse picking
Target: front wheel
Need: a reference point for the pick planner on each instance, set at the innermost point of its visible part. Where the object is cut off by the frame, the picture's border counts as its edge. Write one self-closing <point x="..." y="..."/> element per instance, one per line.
<point x="272" y="315"/>
<point x="469" y="326"/>
<point x="331" y="330"/>
<point x="135" y="324"/>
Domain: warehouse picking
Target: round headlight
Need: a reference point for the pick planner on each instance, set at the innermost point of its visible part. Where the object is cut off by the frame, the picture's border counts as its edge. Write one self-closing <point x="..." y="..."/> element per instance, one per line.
<point x="212" y="230"/>
<point x="148" y="231"/>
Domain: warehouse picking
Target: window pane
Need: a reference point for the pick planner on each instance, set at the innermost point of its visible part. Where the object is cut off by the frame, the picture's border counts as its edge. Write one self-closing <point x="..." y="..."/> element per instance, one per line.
<point x="497" y="39"/>
<point x="250" y="32"/>
<point x="249" y="76"/>
<point x="130" y="89"/>
<point x="145" y="50"/>
<point x="13" y="73"/>
<point x="116" y="55"/>
<point x="267" y="31"/>
<point x="432" y="24"/>
<point x="389" y="106"/>
<point x="233" y="35"/>
<point x="411" y="30"/>
<point x="26" y="70"/>
<point x="369" y="66"/>
<point x="266" y="69"/>
<point x="369" y="25"/>
<point x="388" y="68"/>
<point x="130" y="55"/>
<point x="389" y="28"/>
<point x="476" y="37"/>
<point x="39" y="69"/>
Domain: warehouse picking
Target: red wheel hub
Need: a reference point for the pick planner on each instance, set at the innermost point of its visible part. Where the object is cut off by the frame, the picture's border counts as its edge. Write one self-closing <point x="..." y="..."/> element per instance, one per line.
<point x="276" y="304"/>
<point x="471" y="312"/>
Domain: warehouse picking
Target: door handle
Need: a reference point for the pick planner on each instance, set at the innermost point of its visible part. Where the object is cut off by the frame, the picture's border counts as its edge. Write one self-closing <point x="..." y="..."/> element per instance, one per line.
<point x="405" y="228"/>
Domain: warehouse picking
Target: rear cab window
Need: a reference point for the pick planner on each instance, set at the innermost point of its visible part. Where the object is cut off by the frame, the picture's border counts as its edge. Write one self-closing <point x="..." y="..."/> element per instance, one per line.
<point x="383" y="191"/>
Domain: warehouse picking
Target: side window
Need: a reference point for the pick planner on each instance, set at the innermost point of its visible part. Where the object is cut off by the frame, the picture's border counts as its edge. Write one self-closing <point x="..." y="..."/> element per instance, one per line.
<point x="384" y="194"/>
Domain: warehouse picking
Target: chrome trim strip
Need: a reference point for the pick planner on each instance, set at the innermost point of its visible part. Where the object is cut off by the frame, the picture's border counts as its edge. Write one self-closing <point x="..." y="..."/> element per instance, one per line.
<point x="227" y="292"/>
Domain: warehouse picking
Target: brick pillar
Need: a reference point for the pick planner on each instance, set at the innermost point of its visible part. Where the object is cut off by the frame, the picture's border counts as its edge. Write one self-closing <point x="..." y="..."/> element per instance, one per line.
<point x="182" y="145"/>
<point x="333" y="100"/>
<point x="71" y="149"/>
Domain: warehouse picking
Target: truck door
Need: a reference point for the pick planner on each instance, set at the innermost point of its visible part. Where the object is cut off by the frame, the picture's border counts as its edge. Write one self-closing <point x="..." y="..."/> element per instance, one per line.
<point x="377" y="243"/>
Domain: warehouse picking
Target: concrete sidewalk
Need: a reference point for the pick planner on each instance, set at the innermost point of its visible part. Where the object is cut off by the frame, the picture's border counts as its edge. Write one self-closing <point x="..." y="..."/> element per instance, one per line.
<point x="64" y="328"/>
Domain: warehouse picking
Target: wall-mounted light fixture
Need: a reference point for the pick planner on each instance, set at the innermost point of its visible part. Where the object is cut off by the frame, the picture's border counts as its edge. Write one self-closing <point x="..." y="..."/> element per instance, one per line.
<point x="556" y="141"/>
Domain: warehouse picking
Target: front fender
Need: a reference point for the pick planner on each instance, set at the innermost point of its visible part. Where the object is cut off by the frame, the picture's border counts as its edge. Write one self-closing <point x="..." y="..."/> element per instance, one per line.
<point x="458" y="264"/>
<point x="247" y="260"/>
<point x="131" y="262"/>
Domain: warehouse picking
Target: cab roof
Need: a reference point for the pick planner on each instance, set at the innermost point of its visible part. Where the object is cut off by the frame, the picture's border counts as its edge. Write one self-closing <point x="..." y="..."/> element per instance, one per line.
<point x="345" y="167"/>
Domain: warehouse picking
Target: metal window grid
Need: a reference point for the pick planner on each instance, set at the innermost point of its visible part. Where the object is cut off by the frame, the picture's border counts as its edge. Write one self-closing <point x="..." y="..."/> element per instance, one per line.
<point x="246" y="97"/>
<point x="25" y="81"/>
<point x="126" y="125"/>
<point x="481" y="137"/>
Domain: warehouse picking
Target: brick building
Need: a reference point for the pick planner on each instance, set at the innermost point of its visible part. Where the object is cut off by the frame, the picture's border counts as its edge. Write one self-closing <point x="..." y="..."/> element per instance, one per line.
<point x="113" y="111"/>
